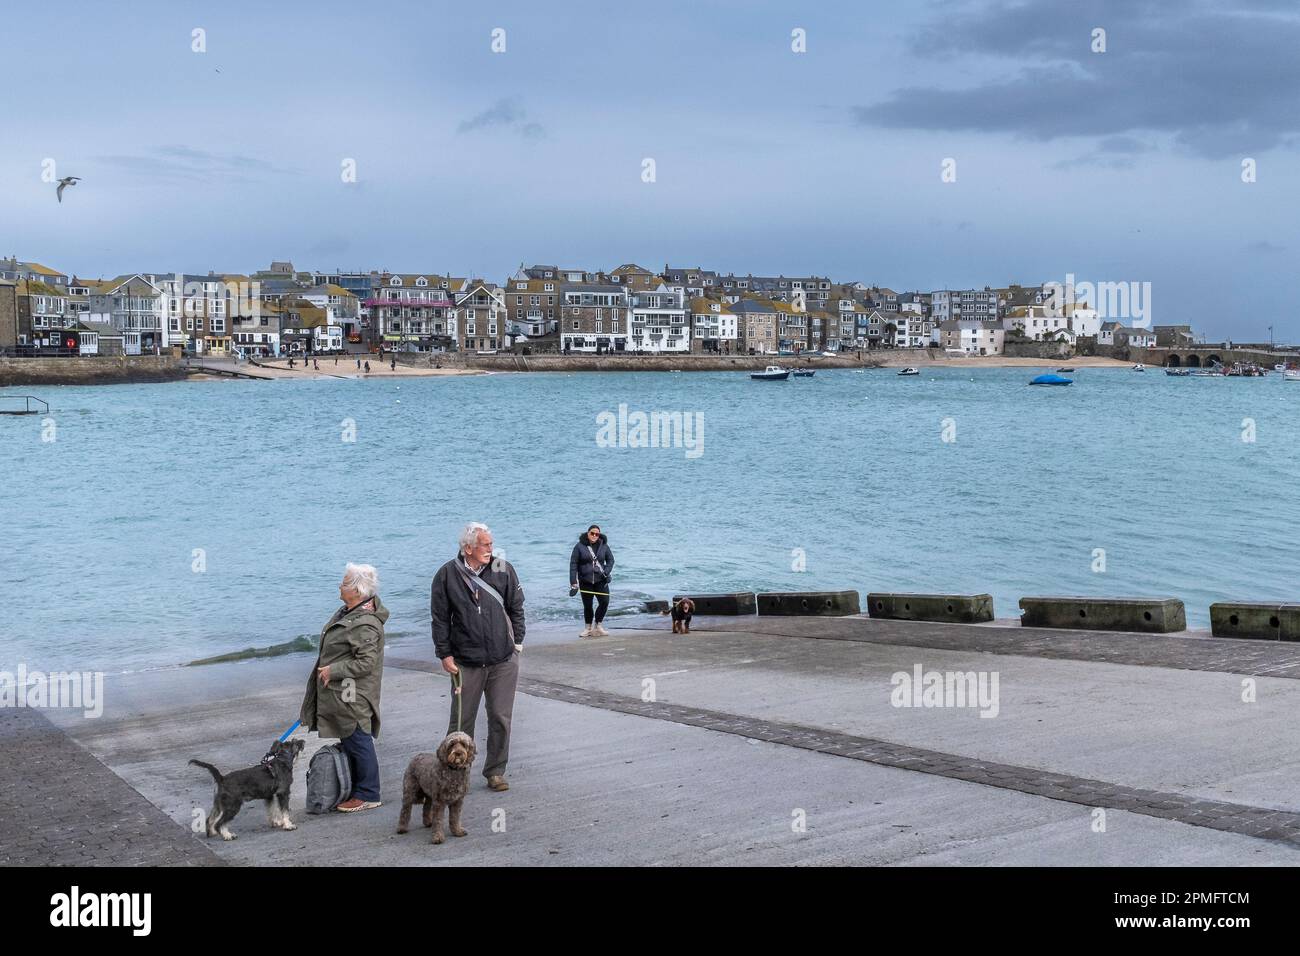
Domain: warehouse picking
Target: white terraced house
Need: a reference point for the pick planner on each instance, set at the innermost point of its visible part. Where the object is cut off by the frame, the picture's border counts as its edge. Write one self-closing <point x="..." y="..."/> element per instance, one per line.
<point x="713" y="326"/>
<point x="971" y="336"/>
<point x="660" y="322"/>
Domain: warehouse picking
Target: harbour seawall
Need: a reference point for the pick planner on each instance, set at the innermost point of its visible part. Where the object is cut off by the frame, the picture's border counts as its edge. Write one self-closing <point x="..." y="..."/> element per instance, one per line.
<point x="90" y="370"/>
<point x="513" y="362"/>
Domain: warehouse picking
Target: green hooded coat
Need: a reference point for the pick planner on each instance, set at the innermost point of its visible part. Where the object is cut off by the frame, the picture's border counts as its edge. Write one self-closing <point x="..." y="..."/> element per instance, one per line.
<point x="352" y="644"/>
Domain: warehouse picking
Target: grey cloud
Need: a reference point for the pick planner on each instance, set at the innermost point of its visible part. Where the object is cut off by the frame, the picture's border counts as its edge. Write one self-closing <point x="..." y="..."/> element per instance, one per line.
<point x="504" y="114"/>
<point x="186" y="164"/>
<point x="1213" y="81"/>
<point x="1264" y="246"/>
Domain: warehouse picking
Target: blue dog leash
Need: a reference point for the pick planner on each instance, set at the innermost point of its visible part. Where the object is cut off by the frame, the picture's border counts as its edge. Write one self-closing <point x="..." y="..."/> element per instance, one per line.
<point x="285" y="736"/>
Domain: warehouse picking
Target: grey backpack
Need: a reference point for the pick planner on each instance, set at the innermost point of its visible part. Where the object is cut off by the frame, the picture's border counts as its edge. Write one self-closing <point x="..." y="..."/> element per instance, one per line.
<point x="329" y="779"/>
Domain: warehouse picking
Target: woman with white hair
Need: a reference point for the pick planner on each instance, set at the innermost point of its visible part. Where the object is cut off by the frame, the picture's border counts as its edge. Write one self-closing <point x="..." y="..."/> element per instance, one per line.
<point x="342" y="699"/>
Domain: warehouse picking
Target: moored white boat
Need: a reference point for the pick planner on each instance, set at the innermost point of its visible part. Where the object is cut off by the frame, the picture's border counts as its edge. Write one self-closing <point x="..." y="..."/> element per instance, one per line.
<point x="773" y="373"/>
<point x="1139" y="367"/>
<point x="1291" y="375"/>
<point x="910" y="371"/>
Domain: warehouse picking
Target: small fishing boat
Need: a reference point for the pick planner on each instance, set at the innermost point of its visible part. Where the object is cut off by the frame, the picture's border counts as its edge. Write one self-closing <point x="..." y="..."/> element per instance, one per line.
<point x="1291" y="375"/>
<point x="1066" y="368"/>
<point x="804" y="372"/>
<point x="1279" y="367"/>
<point x="773" y="373"/>
<point x="1139" y="367"/>
<point x="909" y="371"/>
<point x="1178" y="372"/>
<point x="1051" y="380"/>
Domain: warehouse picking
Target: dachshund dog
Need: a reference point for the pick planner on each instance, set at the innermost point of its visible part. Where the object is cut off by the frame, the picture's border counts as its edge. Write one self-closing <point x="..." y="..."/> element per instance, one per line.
<point x="439" y="780"/>
<point x="269" y="781"/>
<point x="682" y="612"/>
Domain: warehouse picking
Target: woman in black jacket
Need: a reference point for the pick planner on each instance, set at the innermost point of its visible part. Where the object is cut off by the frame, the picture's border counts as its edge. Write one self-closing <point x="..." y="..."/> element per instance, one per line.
<point x="590" y="567"/>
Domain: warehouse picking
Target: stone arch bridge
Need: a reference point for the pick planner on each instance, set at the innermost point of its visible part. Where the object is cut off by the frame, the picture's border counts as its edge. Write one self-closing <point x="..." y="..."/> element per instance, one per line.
<point x="1201" y="356"/>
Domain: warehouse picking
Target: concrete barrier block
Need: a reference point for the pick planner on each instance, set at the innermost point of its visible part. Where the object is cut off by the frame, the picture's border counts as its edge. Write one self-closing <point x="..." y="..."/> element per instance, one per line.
<point x="949" y="608"/>
<point x="808" y="603"/>
<point x="742" y="602"/>
<point x="1150" y="615"/>
<point x="657" y="607"/>
<point x="1259" y="621"/>
<point x="1290" y="619"/>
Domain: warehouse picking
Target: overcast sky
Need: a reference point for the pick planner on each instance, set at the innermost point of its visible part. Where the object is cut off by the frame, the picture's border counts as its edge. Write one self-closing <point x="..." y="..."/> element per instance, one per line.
<point x="1124" y="165"/>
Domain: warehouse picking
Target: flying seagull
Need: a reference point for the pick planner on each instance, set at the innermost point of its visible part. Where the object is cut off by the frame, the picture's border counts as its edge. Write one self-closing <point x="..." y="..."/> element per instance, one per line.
<point x="65" y="182"/>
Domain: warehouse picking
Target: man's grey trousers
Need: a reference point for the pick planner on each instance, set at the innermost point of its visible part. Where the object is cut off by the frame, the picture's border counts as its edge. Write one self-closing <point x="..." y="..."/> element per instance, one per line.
<point x="496" y="683"/>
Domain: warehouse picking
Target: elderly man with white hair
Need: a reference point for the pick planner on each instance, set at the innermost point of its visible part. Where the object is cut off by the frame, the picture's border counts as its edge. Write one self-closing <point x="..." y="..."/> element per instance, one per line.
<point x="342" y="699"/>
<point x="477" y="608"/>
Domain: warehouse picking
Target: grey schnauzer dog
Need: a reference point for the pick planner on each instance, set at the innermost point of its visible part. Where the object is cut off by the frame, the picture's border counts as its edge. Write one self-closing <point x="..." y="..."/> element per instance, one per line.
<point x="269" y="781"/>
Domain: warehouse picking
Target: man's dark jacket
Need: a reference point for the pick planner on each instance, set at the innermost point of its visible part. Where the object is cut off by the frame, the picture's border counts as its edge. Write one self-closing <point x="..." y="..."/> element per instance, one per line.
<point x="476" y="631"/>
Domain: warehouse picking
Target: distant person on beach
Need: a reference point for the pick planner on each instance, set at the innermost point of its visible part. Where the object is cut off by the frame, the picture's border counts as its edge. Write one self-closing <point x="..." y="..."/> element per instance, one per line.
<point x="477" y="610"/>
<point x="367" y="366"/>
<point x="358" y="365"/>
<point x="590" y="566"/>
<point x="393" y="366"/>
<point x="316" y="364"/>
<point x="342" y="699"/>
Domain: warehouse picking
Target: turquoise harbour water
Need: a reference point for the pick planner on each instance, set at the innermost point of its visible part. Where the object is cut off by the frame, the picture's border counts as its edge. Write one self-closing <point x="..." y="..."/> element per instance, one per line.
<point x="100" y="526"/>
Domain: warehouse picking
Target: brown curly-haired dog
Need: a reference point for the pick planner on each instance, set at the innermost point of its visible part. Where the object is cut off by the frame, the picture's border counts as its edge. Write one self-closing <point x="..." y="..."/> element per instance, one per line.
<point x="439" y="780"/>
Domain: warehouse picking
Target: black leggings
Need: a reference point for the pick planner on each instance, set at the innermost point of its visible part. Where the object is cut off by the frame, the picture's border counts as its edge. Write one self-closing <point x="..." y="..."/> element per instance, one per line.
<point x="601" y="596"/>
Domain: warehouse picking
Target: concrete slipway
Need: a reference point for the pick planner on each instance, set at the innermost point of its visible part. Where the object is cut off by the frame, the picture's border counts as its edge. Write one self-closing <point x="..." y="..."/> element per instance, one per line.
<point x="757" y="723"/>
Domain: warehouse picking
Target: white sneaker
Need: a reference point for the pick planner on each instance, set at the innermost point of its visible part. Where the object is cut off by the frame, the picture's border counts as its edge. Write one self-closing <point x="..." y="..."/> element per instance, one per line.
<point x="600" y="631"/>
<point x="586" y="632"/>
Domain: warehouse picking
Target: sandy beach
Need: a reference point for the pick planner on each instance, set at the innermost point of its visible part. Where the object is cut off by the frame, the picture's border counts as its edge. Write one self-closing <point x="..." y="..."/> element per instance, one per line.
<point x="346" y="368"/>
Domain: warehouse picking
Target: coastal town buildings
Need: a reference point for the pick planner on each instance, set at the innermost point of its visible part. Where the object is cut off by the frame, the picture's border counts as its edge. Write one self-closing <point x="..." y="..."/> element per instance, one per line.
<point x="713" y="326"/>
<point x="42" y="313"/>
<point x="1036" y="322"/>
<point x="634" y="278"/>
<point x="8" y="315"/>
<point x="594" y="317"/>
<point x="659" y="321"/>
<point x="478" y="316"/>
<point x="134" y="307"/>
<point x="281" y="310"/>
<point x="948" y="304"/>
<point x="195" y="307"/>
<point x="255" y="327"/>
<point x="1119" y="335"/>
<point x="531" y="303"/>
<point x="972" y="336"/>
<point x="1174" y="336"/>
<point x="342" y="308"/>
<point x="756" y="325"/>
<point x="410" y="312"/>
<point x="15" y="269"/>
<point x="306" y="329"/>
<point x="694" y="283"/>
